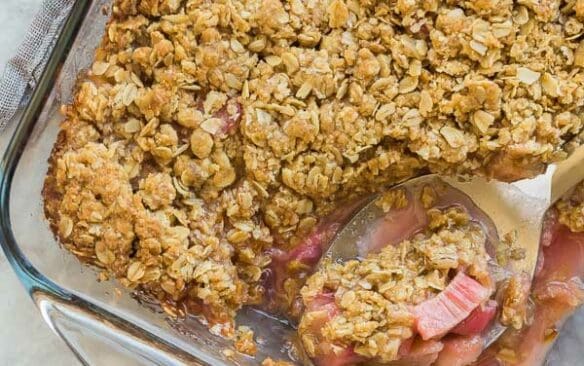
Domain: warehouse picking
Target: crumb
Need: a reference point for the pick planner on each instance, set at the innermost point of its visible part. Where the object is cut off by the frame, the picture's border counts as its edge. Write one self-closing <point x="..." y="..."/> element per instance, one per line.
<point x="229" y="353"/>
<point x="515" y="292"/>
<point x="428" y="197"/>
<point x="244" y="341"/>
<point x="271" y="362"/>
<point x="571" y="209"/>
<point x="392" y="199"/>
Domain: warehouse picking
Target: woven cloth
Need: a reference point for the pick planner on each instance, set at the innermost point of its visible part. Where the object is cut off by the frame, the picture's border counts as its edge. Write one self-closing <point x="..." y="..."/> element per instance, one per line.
<point x="23" y="70"/>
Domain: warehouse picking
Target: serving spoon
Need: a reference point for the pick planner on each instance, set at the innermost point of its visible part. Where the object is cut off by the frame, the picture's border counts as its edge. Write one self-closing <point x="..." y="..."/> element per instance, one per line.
<point x="511" y="207"/>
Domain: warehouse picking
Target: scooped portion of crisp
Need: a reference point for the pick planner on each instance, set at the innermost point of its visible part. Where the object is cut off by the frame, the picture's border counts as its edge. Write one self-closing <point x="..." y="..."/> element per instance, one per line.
<point x="423" y="298"/>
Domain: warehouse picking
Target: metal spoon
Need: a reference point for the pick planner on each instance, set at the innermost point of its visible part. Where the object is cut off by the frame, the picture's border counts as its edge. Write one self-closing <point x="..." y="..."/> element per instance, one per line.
<point x="518" y="207"/>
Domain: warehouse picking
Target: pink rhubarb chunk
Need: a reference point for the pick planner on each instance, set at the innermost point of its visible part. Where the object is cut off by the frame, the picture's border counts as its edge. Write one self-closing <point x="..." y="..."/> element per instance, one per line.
<point x="324" y="301"/>
<point x="478" y="320"/>
<point x="437" y="316"/>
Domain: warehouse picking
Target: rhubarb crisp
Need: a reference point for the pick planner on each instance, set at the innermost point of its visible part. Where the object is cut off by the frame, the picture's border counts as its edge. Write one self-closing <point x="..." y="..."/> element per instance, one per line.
<point x="208" y="139"/>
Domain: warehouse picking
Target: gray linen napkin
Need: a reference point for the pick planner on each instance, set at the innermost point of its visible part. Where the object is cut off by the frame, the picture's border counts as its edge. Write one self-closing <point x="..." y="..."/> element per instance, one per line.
<point x="24" y="69"/>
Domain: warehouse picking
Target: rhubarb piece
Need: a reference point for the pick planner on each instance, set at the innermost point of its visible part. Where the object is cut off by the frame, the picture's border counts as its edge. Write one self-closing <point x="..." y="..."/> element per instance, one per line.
<point x="437" y="316"/>
<point x="478" y="320"/>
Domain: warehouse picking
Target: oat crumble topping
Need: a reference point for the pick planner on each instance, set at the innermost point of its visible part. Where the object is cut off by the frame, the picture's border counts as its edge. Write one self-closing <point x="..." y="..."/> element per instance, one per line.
<point x="207" y="132"/>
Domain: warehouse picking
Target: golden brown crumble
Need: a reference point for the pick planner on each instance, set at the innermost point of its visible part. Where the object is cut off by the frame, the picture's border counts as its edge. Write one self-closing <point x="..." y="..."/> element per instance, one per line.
<point x="392" y="199"/>
<point x="271" y="362"/>
<point x="571" y="209"/>
<point x="515" y="306"/>
<point x="229" y="353"/>
<point x="374" y="296"/>
<point x="244" y="341"/>
<point x="206" y="132"/>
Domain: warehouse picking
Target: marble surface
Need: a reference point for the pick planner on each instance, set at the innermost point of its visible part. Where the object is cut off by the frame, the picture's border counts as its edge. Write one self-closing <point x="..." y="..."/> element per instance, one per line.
<point x="25" y="339"/>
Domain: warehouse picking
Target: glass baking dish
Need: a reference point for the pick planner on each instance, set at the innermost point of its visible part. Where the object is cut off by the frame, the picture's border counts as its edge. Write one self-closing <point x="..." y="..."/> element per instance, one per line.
<point x="102" y="324"/>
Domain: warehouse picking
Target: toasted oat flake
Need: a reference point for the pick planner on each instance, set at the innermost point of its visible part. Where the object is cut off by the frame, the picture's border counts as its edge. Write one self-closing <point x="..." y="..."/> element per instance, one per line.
<point x="408" y="84"/>
<point x="132" y="126"/>
<point x="483" y="120"/>
<point x="211" y="125"/>
<point x="453" y="136"/>
<point x="479" y="47"/>
<point x="550" y="85"/>
<point x="426" y="102"/>
<point x="201" y="143"/>
<point x="99" y="68"/>
<point x="579" y="55"/>
<point x="527" y="76"/>
<point x="136" y="271"/>
<point x="65" y="226"/>
<point x="393" y="199"/>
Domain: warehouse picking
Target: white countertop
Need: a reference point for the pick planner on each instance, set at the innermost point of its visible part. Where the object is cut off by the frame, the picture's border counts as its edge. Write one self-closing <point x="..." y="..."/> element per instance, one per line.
<point x="25" y="339"/>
